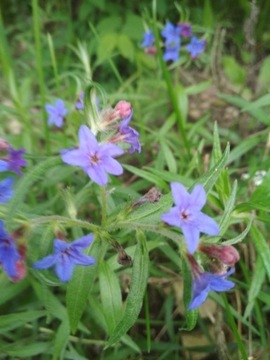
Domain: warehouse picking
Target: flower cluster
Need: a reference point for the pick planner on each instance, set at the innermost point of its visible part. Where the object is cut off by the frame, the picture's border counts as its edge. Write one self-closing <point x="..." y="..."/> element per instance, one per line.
<point x="176" y="38"/>
<point x="11" y="259"/>
<point x="187" y="215"/>
<point x="97" y="159"/>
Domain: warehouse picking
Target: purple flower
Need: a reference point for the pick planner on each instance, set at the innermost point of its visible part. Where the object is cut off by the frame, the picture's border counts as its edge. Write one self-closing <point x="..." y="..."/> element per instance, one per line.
<point x="95" y="159"/>
<point x="9" y="255"/>
<point x="129" y="136"/>
<point x="79" y="104"/>
<point x="56" y="113"/>
<point x="185" y="30"/>
<point x="148" y="39"/>
<point x="195" y="47"/>
<point x="205" y="282"/>
<point x="66" y="256"/>
<point x="171" y="33"/>
<point x="15" y="160"/>
<point x="187" y="215"/>
<point x="6" y="191"/>
<point x="171" y="52"/>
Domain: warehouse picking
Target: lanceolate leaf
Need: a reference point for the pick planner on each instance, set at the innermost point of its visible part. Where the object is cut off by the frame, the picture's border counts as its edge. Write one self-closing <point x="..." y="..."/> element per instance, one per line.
<point x="110" y="295"/>
<point x="262" y="248"/>
<point x="136" y="294"/>
<point x="79" y="287"/>
<point x="191" y="315"/>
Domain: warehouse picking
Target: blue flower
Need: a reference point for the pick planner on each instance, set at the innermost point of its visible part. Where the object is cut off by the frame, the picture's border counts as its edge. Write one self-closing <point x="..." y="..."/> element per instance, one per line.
<point x="66" y="256"/>
<point x="6" y="191"/>
<point x="195" y="47"/>
<point x="171" y="52"/>
<point x="206" y="282"/>
<point x="95" y="159"/>
<point x="148" y="39"/>
<point x="9" y="254"/>
<point x="56" y="113"/>
<point x="185" y="30"/>
<point x="130" y="136"/>
<point x="171" y="33"/>
<point x="14" y="161"/>
<point x="187" y="215"/>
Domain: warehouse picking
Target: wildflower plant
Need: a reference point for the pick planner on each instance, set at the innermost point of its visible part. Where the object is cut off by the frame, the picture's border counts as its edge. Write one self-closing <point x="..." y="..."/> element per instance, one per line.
<point x="114" y="200"/>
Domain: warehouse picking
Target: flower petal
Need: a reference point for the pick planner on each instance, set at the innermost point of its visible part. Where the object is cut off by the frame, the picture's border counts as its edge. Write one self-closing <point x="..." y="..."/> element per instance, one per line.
<point x="87" y="139"/>
<point x="97" y="174"/>
<point x="110" y="150"/>
<point x="64" y="268"/>
<point x="82" y="259"/>
<point x="46" y="262"/>
<point x="83" y="242"/>
<point x="60" y="245"/>
<point x="192" y="237"/>
<point x="180" y="194"/>
<point x="172" y="217"/>
<point x="199" y="298"/>
<point x="76" y="157"/>
<point x="207" y="225"/>
<point x="3" y="165"/>
<point x="112" y="166"/>
<point x="197" y="197"/>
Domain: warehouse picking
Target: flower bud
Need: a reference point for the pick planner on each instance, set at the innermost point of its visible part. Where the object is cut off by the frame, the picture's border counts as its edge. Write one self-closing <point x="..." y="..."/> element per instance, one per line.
<point x="226" y="254"/>
<point x="123" y="109"/>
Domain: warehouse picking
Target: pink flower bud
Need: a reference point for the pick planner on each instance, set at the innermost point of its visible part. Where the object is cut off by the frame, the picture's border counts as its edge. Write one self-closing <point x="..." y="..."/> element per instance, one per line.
<point x="226" y="254"/>
<point x="150" y="50"/>
<point x="21" y="270"/>
<point x="20" y="265"/>
<point x="123" y="109"/>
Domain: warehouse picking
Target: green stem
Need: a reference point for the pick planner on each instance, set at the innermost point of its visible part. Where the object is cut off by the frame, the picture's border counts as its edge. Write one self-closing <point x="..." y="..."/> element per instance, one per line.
<point x="170" y="87"/>
<point x="103" y="205"/>
<point x="39" y="64"/>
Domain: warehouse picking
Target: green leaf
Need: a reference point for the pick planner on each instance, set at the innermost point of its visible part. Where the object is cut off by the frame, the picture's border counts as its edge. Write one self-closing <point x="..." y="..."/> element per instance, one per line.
<point x="240" y="237"/>
<point x="258" y="278"/>
<point x="234" y="71"/>
<point x="170" y="159"/>
<point x="26" y="182"/>
<point x="110" y="293"/>
<point x="258" y="114"/>
<point x="262" y="248"/>
<point x="261" y="102"/>
<point x="225" y="220"/>
<point x="264" y="74"/>
<point x="209" y="179"/>
<point x="147" y="176"/>
<point x="191" y="315"/>
<point x="61" y="340"/>
<point x="107" y="44"/>
<point x="80" y="286"/>
<point x="136" y="294"/>
<point x="125" y="47"/>
<point x="12" y="321"/>
<point x="25" y="350"/>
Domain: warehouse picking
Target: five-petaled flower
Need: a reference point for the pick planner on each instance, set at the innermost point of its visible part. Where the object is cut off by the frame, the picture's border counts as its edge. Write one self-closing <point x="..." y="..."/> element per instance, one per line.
<point x="6" y="191"/>
<point x="204" y="282"/>
<point x="9" y="255"/>
<point x="95" y="159"/>
<point x="195" y="47"/>
<point x="187" y="215"/>
<point x="56" y="113"/>
<point x="66" y="256"/>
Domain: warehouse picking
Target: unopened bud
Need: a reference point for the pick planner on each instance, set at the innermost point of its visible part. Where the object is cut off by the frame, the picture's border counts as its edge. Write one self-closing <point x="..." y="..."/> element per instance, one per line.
<point x="226" y="254"/>
<point x="123" y="109"/>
